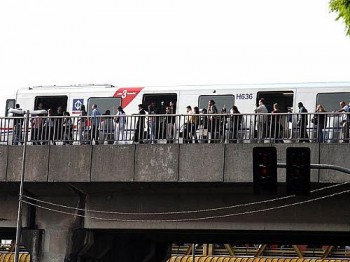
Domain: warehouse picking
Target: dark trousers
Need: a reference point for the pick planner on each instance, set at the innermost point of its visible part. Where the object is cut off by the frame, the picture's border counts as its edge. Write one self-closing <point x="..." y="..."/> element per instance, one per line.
<point x="36" y="136"/>
<point x="94" y="134"/>
<point x="303" y="134"/>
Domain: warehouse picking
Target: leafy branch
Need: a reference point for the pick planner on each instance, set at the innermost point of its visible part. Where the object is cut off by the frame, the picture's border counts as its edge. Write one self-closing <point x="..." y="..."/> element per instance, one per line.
<point x="342" y="7"/>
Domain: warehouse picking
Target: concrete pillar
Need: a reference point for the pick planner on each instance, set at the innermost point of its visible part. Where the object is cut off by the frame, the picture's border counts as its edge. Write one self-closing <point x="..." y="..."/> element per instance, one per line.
<point x="58" y="229"/>
<point x="31" y="239"/>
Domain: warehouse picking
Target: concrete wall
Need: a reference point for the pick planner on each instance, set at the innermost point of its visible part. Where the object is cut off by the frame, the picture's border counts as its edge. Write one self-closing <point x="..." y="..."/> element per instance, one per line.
<point x="3" y="162"/>
<point x="8" y="210"/>
<point x="201" y="163"/>
<point x="239" y="162"/>
<point x="113" y="163"/>
<point x="70" y="163"/>
<point x="37" y="164"/>
<point x="334" y="154"/>
<point x="157" y="163"/>
<point x="14" y="163"/>
<point x="9" y="206"/>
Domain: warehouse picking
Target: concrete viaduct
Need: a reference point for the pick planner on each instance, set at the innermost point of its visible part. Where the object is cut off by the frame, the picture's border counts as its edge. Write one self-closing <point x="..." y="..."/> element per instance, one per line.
<point x="148" y="196"/>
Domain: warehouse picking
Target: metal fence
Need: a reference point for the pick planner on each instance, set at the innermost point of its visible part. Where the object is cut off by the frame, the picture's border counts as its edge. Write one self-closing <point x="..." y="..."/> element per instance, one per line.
<point x="196" y="128"/>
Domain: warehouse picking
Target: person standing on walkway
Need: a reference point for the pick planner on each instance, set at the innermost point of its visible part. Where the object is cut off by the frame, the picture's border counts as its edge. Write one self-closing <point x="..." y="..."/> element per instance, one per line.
<point x="140" y="125"/>
<point x="188" y="128"/>
<point x="213" y="123"/>
<point x="95" y="122"/>
<point x="302" y="123"/>
<point x="120" y="121"/>
<point x="261" y="120"/>
<point x="276" y="124"/>
<point x="320" y="123"/>
<point x="58" y="124"/>
<point x="152" y="122"/>
<point x="170" y="121"/>
<point x="345" y="121"/>
<point x="107" y="128"/>
<point x="82" y="125"/>
<point x="235" y="124"/>
<point x="67" y="129"/>
<point x="37" y="126"/>
<point x="49" y="128"/>
<point x="18" y="115"/>
<point x="203" y="129"/>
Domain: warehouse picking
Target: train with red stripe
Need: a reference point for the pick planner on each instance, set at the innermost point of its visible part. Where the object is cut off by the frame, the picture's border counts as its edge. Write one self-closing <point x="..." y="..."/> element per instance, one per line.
<point x="245" y="97"/>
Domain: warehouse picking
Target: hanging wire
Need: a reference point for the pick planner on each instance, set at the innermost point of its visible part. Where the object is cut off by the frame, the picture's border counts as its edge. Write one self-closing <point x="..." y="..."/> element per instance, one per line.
<point x="193" y="219"/>
<point x="180" y="212"/>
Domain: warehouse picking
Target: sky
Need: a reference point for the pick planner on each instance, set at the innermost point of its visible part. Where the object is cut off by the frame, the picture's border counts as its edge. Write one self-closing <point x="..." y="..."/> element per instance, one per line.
<point x="162" y="42"/>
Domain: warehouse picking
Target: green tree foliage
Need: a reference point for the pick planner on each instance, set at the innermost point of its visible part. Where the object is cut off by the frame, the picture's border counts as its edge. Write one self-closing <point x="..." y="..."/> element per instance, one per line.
<point x="342" y="7"/>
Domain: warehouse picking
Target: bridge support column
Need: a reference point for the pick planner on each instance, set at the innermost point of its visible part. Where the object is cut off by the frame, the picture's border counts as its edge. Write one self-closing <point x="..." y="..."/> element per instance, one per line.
<point x="62" y="232"/>
<point x="31" y="239"/>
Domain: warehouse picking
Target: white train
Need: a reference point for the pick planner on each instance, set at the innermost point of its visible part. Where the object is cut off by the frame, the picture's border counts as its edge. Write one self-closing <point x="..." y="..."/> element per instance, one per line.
<point x="245" y="97"/>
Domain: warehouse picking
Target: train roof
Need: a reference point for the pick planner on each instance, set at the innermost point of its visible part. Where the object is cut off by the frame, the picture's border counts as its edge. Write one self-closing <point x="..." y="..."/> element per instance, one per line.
<point x="254" y="86"/>
<point x="189" y="87"/>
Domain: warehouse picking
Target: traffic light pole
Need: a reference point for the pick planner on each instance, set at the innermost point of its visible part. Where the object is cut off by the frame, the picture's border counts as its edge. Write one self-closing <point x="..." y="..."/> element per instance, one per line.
<point x="321" y="166"/>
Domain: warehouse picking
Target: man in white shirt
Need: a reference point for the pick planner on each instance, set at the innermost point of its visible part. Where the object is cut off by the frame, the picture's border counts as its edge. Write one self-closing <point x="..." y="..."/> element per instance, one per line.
<point x="261" y="120"/>
<point x="345" y="121"/>
<point x="120" y="120"/>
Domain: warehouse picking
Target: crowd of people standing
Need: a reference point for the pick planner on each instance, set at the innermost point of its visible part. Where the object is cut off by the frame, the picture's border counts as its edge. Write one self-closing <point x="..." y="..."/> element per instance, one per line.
<point x="206" y="125"/>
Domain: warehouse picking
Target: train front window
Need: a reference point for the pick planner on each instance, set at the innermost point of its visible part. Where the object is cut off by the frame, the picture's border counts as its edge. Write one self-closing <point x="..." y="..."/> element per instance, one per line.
<point x="10" y="103"/>
<point x="221" y="101"/>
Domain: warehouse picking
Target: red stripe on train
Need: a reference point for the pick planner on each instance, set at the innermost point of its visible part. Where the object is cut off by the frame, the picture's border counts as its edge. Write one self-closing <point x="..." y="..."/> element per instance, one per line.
<point x="127" y="94"/>
<point x="6" y="129"/>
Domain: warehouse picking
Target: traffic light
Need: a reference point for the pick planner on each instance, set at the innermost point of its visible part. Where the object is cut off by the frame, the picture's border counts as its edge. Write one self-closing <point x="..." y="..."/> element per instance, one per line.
<point x="265" y="170"/>
<point x="298" y="171"/>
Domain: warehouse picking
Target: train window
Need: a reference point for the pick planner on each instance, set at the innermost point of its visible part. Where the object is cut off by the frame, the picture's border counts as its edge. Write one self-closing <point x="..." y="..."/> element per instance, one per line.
<point x="51" y="102"/>
<point x="283" y="98"/>
<point x="160" y="101"/>
<point x="221" y="101"/>
<point x="104" y="104"/>
<point x="10" y="103"/>
<point x="330" y="101"/>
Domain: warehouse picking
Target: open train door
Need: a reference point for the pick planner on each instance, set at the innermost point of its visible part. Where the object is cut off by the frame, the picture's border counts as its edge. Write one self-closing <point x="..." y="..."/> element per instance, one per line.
<point x="158" y="102"/>
<point x="284" y="99"/>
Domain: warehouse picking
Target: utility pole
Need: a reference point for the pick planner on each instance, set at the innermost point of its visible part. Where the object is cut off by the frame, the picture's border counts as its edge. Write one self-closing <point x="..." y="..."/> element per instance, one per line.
<point x="19" y="213"/>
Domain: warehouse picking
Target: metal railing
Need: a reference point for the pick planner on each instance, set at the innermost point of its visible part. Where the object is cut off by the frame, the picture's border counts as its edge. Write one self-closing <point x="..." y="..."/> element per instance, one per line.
<point x="197" y="128"/>
<point x="263" y="250"/>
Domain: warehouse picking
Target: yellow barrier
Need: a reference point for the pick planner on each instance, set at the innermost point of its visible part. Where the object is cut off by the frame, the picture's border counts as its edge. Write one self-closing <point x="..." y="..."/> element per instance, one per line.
<point x="256" y="259"/>
<point x="10" y="257"/>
